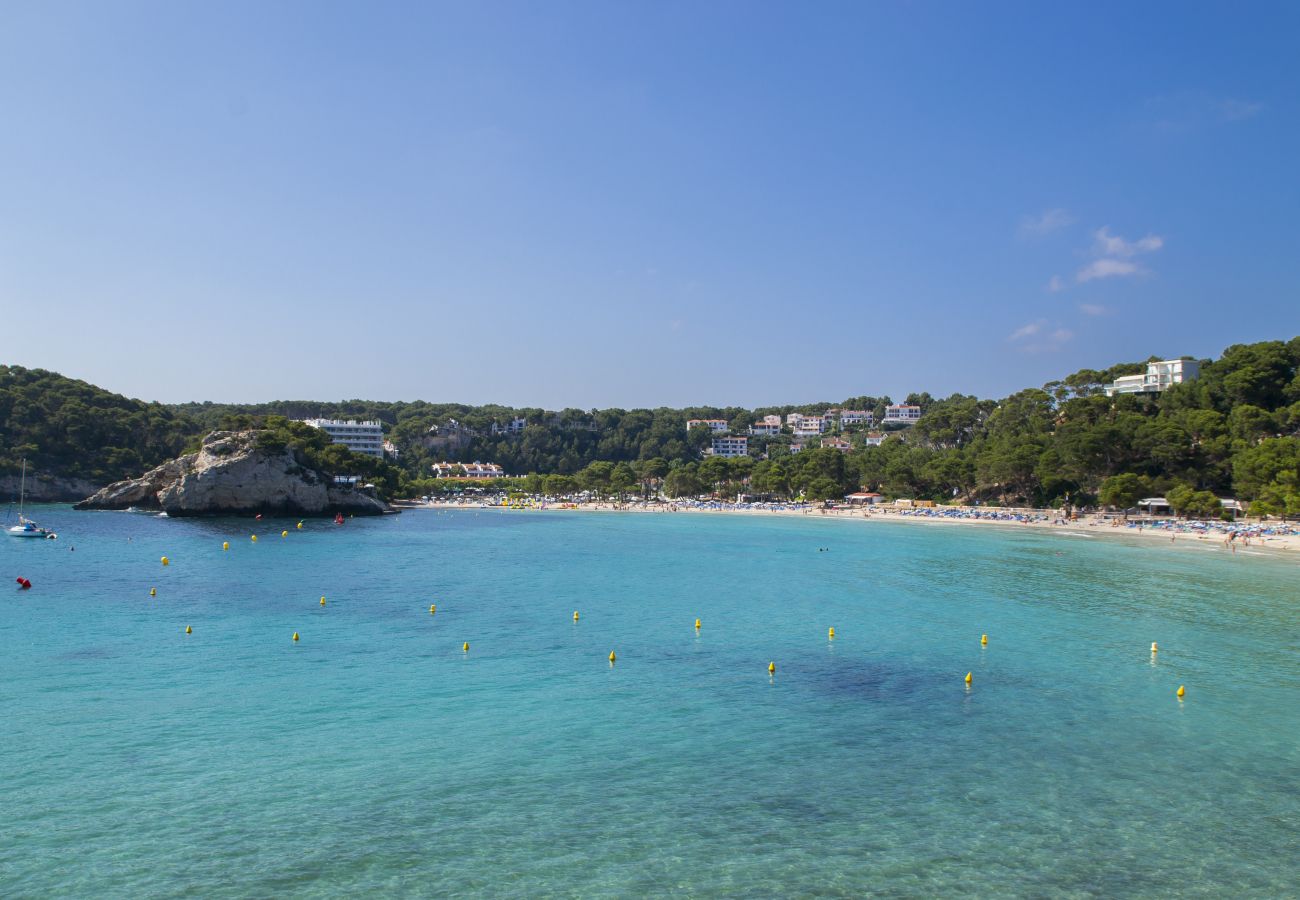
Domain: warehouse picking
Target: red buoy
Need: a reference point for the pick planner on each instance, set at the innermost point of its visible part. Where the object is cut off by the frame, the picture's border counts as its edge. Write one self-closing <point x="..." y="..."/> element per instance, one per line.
<point x="23" y="583"/>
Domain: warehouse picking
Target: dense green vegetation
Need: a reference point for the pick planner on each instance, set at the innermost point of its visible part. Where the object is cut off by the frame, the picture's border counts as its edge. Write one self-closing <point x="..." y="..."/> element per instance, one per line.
<point x="68" y="428"/>
<point x="1235" y="431"/>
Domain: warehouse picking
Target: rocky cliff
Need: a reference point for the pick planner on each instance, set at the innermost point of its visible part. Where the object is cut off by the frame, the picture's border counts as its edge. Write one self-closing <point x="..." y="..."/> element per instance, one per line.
<point x="230" y="475"/>
<point x="45" y="490"/>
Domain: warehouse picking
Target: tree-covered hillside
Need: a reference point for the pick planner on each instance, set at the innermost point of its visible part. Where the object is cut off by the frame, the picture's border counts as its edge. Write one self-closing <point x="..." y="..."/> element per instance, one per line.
<point x="70" y="429"/>
<point x="1234" y="431"/>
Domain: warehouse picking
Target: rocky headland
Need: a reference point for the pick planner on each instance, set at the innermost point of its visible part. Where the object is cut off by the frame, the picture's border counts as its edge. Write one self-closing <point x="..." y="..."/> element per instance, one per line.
<point x="44" y="489"/>
<point x="231" y="475"/>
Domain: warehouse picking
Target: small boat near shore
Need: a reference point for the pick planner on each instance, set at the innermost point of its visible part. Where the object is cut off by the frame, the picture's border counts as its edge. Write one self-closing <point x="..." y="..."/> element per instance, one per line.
<point x="26" y="528"/>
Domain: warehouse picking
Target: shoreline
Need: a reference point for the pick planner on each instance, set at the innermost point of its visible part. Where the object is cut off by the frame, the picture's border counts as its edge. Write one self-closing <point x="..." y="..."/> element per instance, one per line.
<point x="1197" y="533"/>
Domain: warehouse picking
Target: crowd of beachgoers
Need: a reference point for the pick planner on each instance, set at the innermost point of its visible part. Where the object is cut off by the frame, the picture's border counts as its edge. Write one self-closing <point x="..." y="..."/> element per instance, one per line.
<point x="1181" y="526"/>
<point x="1248" y="533"/>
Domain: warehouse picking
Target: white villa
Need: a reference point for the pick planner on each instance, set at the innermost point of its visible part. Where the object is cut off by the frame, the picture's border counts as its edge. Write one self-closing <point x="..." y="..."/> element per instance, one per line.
<point x="874" y="439"/>
<point x="514" y="426"/>
<point x="765" y="428"/>
<point x="717" y="426"/>
<point x="1159" y="376"/>
<point x="837" y="443"/>
<point x="850" y="417"/>
<point x="730" y="446"/>
<point x="903" y="413"/>
<point x="361" y="437"/>
<point x="811" y="426"/>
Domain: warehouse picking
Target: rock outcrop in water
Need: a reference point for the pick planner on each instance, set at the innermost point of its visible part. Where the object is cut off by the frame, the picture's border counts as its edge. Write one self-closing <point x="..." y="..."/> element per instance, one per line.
<point x="231" y="475"/>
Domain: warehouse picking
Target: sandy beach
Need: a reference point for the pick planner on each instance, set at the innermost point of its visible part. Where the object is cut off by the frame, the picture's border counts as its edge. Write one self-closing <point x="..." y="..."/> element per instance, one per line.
<point x="1251" y="537"/>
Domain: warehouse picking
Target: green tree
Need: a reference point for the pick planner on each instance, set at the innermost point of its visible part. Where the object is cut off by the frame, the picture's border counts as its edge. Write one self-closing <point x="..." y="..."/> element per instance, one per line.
<point x="1123" y="491"/>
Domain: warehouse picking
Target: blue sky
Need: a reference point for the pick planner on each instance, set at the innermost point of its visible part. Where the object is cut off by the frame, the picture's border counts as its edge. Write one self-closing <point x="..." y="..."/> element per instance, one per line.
<point x="623" y="204"/>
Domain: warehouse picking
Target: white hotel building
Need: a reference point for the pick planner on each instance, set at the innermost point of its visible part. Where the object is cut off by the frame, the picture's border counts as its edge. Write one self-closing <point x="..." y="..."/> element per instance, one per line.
<point x="731" y="446"/>
<point x="360" y="437"/>
<point x="717" y="426"/>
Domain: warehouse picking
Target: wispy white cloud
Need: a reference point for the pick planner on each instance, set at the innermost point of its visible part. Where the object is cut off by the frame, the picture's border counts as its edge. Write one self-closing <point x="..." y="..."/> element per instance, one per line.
<point x="1025" y="331"/>
<point x="1231" y="110"/>
<point x="1044" y="223"/>
<point x="1033" y="337"/>
<point x="1106" y="268"/>
<point x="1191" y="111"/>
<point x="1107" y="244"/>
<point x="1093" y="309"/>
<point x="1113" y="258"/>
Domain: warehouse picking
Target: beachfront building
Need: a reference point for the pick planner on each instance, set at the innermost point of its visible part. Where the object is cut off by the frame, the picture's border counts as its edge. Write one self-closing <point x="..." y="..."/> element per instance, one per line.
<point x="359" y="437"/>
<point x="730" y="446"/>
<point x="1159" y="376"/>
<point x="865" y="498"/>
<point x="901" y="414"/>
<point x="850" y="418"/>
<point x="836" y="443"/>
<point x="717" y="426"/>
<point x="475" y="469"/>
<point x="874" y="439"/>
<point x="765" y="428"/>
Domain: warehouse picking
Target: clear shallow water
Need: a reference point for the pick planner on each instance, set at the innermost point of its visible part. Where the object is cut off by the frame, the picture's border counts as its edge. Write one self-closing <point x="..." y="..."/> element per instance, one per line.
<point x="374" y="756"/>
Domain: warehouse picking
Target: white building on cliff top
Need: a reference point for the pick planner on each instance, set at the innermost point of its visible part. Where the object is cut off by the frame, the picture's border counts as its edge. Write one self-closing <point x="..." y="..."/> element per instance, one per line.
<point x="1159" y="376"/>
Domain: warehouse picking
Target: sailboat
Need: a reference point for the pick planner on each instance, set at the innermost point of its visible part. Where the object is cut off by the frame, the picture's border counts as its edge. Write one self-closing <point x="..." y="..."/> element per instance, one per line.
<point x="26" y="527"/>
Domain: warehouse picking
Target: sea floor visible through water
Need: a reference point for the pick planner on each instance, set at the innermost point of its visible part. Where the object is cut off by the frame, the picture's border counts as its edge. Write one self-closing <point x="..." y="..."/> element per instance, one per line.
<point x="377" y="756"/>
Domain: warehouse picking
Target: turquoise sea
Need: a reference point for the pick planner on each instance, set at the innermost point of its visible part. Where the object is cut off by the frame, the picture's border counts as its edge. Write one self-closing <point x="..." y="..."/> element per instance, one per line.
<point x="376" y="757"/>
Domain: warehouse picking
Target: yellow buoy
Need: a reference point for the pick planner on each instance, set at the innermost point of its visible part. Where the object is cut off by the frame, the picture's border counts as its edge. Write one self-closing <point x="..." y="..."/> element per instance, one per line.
<point x="612" y="657"/>
<point x="322" y="601"/>
<point x="166" y="561"/>
<point x="300" y="526"/>
<point x="225" y="545"/>
<point x="187" y="629"/>
<point x="575" y="615"/>
<point x="830" y="633"/>
<point x="433" y="608"/>
<point x="1181" y="690"/>
<point x="153" y="592"/>
<point x="284" y="534"/>
<point x="295" y="635"/>
<point x="465" y="646"/>
<point x="984" y="640"/>
<point x="968" y="678"/>
<point x="697" y="624"/>
<point x="771" y="668"/>
<point x="254" y="539"/>
<point x="1154" y="648"/>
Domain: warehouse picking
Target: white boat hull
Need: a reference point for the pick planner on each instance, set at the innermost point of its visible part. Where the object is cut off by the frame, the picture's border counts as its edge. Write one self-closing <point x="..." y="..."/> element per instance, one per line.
<point x="20" y="531"/>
